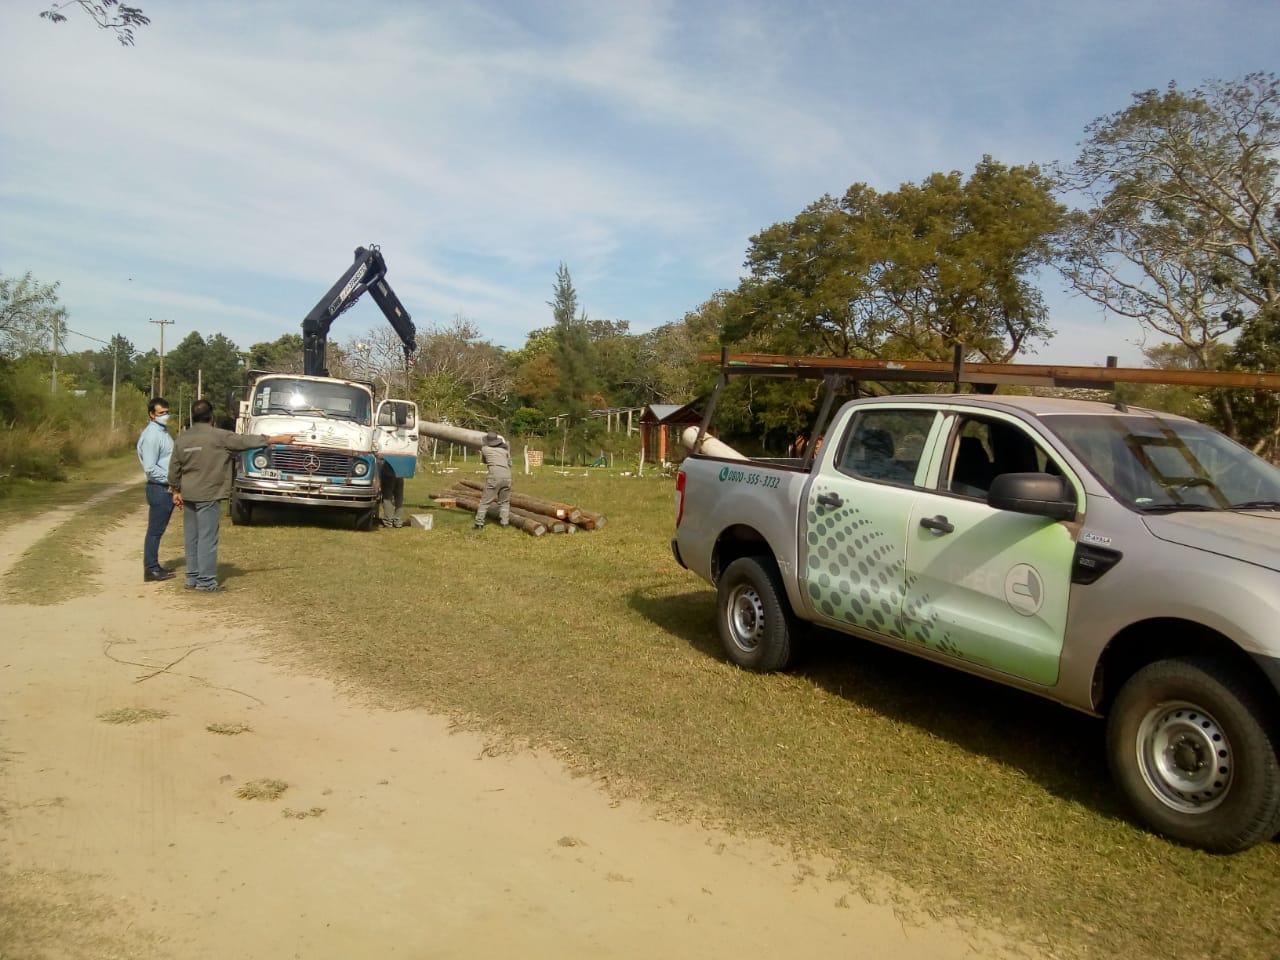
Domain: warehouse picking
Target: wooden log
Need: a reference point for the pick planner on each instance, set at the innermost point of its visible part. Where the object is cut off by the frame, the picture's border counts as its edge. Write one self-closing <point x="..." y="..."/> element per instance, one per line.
<point x="468" y="498"/>
<point x="591" y="520"/>
<point x="519" y="520"/>
<point x="548" y="508"/>
<point x="448" y="432"/>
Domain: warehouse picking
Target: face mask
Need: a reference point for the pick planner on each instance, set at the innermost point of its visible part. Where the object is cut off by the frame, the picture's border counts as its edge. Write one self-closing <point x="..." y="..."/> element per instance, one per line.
<point x="162" y="419"/>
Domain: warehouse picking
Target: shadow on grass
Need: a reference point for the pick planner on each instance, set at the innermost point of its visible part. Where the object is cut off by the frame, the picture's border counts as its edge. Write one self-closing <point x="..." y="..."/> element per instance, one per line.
<point x="689" y="616"/>
<point x="1060" y="749"/>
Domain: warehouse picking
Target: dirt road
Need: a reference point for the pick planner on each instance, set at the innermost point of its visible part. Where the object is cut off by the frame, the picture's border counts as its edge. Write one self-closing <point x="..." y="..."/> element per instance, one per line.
<point x="394" y="838"/>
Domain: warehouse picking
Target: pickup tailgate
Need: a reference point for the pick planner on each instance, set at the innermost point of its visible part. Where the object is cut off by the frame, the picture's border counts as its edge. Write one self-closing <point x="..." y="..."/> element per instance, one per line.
<point x="742" y="500"/>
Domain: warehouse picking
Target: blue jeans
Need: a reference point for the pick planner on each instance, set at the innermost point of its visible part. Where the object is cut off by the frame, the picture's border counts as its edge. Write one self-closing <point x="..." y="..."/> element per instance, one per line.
<point x="160" y="502"/>
<point x="200" y="532"/>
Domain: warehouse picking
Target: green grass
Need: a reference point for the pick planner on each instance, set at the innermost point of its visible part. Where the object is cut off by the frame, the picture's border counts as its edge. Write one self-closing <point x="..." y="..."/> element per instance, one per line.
<point x="993" y="805"/>
<point x="58" y="566"/>
<point x="21" y="499"/>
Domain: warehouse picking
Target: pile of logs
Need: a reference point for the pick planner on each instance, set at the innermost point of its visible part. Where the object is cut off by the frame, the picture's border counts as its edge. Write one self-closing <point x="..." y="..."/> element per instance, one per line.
<point x="533" y="515"/>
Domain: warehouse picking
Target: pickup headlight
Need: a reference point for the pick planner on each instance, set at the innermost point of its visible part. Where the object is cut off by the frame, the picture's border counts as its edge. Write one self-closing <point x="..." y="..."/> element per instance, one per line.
<point x="361" y="468"/>
<point x="260" y="461"/>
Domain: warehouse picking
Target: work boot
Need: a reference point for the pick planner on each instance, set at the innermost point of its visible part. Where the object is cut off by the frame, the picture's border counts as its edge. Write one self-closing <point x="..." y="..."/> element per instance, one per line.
<point x="477" y="526"/>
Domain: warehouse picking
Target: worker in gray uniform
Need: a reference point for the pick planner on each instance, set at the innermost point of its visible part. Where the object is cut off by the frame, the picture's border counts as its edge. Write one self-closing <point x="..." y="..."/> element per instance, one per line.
<point x="497" y="485"/>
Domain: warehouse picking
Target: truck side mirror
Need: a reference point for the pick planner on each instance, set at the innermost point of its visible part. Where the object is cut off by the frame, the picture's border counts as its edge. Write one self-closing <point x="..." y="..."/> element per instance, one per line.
<point x="402" y="414"/>
<point x="1038" y="494"/>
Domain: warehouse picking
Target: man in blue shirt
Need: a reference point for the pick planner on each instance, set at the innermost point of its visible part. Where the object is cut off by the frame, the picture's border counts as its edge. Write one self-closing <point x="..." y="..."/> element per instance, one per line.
<point x="155" y="448"/>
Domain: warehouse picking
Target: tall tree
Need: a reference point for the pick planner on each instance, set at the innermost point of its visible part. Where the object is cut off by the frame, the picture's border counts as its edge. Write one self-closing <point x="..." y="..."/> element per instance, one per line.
<point x="282" y="355"/>
<point x="31" y="318"/>
<point x="912" y="273"/>
<point x="1181" y="230"/>
<point x="574" y="354"/>
<point x="107" y="14"/>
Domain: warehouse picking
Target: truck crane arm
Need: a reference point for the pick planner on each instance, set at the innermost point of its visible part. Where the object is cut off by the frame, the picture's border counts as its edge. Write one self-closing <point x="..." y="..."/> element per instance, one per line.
<point x="368" y="272"/>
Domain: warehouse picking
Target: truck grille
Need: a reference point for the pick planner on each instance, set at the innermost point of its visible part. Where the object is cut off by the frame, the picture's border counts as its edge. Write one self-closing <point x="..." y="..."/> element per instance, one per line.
<point x="322" y="463"/>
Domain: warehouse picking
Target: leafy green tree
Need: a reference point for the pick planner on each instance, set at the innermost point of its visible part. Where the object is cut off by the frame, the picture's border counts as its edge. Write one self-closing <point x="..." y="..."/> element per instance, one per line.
<point x="212" y="368"/>
<point x="914" y="273"/>
<point x="282" y="355"/>
<point x="30" y="316"/>
<point x="1257" y="412"/>
<point x="107" y="14"/>
<point x="1181" y="226"/>
<point x="573" y="351"/>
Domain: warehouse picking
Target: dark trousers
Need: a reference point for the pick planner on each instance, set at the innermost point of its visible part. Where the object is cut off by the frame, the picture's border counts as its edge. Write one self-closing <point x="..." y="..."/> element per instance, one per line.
<point x="160" y="503"/>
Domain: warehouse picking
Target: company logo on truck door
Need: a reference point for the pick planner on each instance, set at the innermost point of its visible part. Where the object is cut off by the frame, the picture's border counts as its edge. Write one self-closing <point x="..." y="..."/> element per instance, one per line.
<point x="1024" y="589"/>
<point x="750" y="478"/>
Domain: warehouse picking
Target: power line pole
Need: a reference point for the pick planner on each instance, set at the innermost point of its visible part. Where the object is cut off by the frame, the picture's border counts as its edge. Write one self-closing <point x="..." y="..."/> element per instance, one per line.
<point x="162" y="324"/>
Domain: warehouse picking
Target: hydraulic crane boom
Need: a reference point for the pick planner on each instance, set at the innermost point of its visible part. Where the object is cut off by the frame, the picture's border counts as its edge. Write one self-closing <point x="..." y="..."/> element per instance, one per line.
<point x="368" y="272"/>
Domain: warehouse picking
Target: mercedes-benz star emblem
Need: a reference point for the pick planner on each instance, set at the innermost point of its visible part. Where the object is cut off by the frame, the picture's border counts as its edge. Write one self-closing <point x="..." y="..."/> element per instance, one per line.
<point x="312" y="464"/>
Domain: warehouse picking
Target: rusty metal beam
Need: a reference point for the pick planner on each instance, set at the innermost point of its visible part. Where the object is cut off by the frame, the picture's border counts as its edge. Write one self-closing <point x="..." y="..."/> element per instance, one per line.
<point x="1023" y="374"/>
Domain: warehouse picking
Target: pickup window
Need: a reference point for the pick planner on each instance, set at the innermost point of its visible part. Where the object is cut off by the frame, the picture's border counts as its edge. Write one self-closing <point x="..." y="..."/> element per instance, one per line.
<point x="984" y="448"/>
<point x="885" y="445"/>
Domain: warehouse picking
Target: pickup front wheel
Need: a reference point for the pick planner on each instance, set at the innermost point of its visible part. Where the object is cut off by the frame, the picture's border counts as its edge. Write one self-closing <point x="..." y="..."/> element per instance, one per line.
<point x="1190" y="745"/>
<point x="756" y="624"/>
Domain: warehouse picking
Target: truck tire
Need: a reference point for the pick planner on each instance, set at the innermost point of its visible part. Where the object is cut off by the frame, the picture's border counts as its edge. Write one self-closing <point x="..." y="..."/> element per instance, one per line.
<point x="241" y="511"/>
<point x="756" y="624"/>
<point x="1192" y="746"/>
<point x="365" y="517"/>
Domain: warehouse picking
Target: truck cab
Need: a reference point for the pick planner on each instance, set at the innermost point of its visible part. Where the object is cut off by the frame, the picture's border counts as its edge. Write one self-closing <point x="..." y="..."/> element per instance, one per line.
<point x="333" y="462"/>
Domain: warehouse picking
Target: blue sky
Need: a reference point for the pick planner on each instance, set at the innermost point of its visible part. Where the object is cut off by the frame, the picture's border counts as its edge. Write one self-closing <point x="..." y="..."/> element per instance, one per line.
<point x="221" y="172"/>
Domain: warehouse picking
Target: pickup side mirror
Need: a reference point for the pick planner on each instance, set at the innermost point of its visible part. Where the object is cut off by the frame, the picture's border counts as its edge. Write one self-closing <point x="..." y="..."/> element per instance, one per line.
<point x="1039" y="494"/>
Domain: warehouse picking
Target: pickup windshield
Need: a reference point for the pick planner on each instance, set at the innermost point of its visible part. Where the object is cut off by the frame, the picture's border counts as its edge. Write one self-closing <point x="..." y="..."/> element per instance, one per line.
<point x="312" y="398"/>
<point x="1157" y="465"/>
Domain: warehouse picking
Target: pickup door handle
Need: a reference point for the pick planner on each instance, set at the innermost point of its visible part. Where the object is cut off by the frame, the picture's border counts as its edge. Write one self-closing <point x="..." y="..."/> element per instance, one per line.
<point x="938" y="524"/>
<point x="830" y="500"/>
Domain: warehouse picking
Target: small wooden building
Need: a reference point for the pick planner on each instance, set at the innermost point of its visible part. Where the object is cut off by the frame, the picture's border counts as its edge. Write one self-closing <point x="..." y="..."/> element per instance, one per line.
<point x="660" y="428"/>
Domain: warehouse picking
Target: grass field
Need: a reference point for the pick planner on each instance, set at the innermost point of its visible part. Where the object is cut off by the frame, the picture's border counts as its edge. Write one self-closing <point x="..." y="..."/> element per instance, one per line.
<point x="992" y="804"/>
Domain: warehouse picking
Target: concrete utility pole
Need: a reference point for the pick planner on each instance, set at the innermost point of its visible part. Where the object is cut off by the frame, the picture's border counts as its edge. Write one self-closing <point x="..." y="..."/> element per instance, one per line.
<point x="163" y="324"/>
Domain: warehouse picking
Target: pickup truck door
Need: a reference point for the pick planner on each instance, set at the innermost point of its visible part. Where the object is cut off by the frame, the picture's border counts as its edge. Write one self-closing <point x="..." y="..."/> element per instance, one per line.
<point x="852" y="556"/>
<point x="396" y="435"/>
<point x="985" y="585"/>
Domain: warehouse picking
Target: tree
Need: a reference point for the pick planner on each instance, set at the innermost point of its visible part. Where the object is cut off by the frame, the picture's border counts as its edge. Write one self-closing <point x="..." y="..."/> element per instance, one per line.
<point x="1183" y="231"/>
<point x="107" y="14"/>
<point x="30" y="316"/>
<point x="212" y="368"/>
<point x="282" y="355"/>
<point x="573" y="351"/>
<point x="913" y="273"/>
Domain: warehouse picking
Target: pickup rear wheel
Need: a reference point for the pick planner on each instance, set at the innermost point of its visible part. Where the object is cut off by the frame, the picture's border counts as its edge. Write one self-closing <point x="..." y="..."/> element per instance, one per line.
<point x="1189" y="746"/>
<point x="756" y="624"/>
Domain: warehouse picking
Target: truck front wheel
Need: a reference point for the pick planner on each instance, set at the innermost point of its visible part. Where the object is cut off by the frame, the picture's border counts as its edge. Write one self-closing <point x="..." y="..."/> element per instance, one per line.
<point x="756" y="624"/>
<point x="241" y="511"/>
<point x="1189" y="745"/>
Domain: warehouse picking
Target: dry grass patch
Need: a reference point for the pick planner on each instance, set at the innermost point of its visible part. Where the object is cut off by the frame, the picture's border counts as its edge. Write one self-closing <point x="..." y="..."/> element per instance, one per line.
<point x="132" y="715"/>
<point x="302" y="814"/>
<point x="262" y="790"/>
<point x="229" y="729"/>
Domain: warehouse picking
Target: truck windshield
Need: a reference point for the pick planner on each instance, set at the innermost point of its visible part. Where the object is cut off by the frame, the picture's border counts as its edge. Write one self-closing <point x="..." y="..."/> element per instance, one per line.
<point x="312" y="398"/>
<point x="1155" y="465"/>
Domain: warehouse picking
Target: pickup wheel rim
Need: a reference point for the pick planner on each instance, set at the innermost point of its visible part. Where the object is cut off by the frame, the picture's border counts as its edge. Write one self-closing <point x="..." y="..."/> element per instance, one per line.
<point x="1185" y="756"/>
<point x="746" y="617"/>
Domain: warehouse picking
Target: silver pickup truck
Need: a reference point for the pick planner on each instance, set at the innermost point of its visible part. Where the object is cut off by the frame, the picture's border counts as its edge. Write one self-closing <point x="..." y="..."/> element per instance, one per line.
<point x="1121" y="561"/>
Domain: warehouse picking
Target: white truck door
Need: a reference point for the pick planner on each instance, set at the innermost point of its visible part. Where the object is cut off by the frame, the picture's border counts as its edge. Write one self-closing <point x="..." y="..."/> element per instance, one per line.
<point x="396" y="435"/>
<point x="985" y="585"/>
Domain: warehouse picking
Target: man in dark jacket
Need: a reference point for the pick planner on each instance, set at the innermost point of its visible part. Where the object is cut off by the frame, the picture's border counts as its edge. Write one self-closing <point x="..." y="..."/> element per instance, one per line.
<point x="200" y="477"/>
<point x="497" y="485"/>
